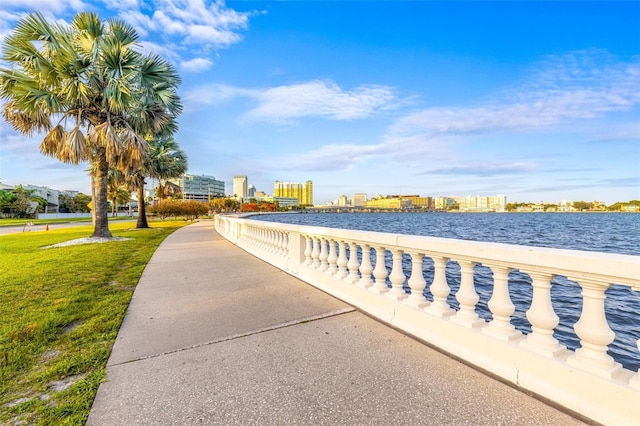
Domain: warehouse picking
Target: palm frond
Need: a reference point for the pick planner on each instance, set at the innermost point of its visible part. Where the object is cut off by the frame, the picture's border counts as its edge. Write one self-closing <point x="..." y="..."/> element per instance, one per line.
<point x="51" y="143"/>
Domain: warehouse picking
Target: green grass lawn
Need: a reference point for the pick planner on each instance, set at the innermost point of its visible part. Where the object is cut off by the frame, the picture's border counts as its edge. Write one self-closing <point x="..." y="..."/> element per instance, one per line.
<point x="60" y="312"/>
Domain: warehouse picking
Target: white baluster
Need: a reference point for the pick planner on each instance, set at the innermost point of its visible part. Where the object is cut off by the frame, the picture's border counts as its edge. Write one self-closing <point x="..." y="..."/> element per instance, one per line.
<point x="307" y="250"/>
<point x="501" y="307"/>
<point x="417" y="283"/>
<point x="284" y="244"/>
<point x="365" y="267"/>
<point x="342" y="260"/>
<point x="440" y="289"/>
<point x="542" y="318"/>
<point x="467" y="297"/>
<point x="277" y="242"/>
<point x="332" y="258"/>
<point x="635" y="380"/>
<point x="397" y="277"/>
<point x="324" y="265"/>
<point x="594" y="333"/>
<point x="380" y="272"/>
<point x="353" y="263"/>
<point x="315" y="253"/>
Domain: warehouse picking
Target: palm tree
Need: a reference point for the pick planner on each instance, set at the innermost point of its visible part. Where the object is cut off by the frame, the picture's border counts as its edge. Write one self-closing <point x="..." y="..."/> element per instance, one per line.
<point x="164" y="160"/>
<point x="93" y="94"/>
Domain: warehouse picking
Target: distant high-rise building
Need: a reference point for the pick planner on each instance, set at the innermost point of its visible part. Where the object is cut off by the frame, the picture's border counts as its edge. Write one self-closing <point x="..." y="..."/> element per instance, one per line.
<point x="359" y="200"/>
<point x="342" y="200"/>
<point x="202" y="188"/>
<point x="302" y="191"/>
<point x="251" y="191"/>
<point x="240" y="186"/>
<point x="496" y="203"/>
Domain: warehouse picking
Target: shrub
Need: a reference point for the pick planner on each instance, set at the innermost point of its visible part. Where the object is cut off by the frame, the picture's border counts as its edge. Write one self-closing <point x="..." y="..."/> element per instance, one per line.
<point x="189" y="209"/>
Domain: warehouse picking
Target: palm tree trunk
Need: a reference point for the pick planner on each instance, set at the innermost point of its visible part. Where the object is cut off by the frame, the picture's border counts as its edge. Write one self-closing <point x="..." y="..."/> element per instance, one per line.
<point x="101" y="227"/>
<point x="142" y="211"/>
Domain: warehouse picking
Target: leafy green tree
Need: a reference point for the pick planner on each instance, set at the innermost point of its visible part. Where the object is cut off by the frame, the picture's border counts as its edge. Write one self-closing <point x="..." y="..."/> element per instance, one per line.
<point x="582" y="205"/>
<point x="94" y="95"/>
<point x="6" y="198"/>
<point x="81" y="203"/>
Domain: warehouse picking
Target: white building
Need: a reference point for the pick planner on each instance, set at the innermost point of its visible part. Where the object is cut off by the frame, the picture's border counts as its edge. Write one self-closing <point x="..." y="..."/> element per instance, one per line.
<point x="240" y="187"/>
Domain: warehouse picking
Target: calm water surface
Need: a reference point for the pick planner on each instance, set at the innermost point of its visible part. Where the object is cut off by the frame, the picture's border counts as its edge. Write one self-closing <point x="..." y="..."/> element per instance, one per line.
<point x="601" y="232"/>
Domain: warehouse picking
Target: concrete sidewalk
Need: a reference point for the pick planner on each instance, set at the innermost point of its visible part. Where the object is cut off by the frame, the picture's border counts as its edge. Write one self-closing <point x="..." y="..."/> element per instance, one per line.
<point x="214" y="335"/>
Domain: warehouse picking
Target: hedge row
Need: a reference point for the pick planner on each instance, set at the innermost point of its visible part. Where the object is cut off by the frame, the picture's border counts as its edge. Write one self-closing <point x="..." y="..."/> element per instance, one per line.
<point x="189" y="209"/>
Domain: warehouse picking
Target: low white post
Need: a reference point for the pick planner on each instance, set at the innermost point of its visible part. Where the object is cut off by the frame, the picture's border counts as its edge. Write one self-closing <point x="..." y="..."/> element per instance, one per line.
<point x="594" y="333"/>
<point x="397" y="277"/>
<point x="440" y="289"/>
<point x="307" y="250"/>
<point x="353" y="263"/>
<point x="332" y="258"/>
<point x="501" y="307"/>
<point x="324" y="255"/>
<point x="635" y="380"/>
<point x="417" y="283"/>
<point x="380" y="272"/>
<point x="467" y="297"/>
<point x="365" y="267"/>
<point x="342" y="260"/>
<point x="542" y="318"/>
<point x="315" y="254"/>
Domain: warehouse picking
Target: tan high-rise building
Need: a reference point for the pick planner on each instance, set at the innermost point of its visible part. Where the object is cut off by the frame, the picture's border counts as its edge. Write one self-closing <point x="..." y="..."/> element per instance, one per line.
<point x="240" y="187"/>
<point x="302" y="191"/>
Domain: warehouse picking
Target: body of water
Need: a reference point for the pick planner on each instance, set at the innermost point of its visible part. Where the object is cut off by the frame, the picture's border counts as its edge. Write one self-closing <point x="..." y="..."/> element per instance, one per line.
<point x="600" y="232"/>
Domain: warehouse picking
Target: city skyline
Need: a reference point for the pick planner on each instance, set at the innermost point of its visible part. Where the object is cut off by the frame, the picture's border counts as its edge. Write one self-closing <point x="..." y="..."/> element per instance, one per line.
<point x="537" y="101"/>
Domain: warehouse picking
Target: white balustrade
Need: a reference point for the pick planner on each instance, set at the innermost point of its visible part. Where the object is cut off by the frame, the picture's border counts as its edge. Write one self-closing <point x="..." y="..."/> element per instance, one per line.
<point x="315" y="254"/>
<point x="333" y="258"/>
<point x="353" y="263"/>
<point x="501" y="307"/>
<point x="308" y="260"/>
<point x="594" y="332"/>
<point x="365" y="267"/>
<point x="542" y="318"/>
<point x="467" y="297"/>
<point x="397" y="277"/>
<point x="535" y="360"/>
<point x="440" y="289"/>
<point x="324" y="254"/>
<point x="342" y="260"/>
<point x="380" y="272"/>
<point x="417" y="283"/>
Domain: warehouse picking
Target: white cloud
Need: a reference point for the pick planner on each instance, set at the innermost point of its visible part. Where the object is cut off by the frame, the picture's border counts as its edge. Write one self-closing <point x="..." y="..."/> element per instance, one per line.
<point x="53" y="6"/>
<point x="284" y="104"/>
<point x="196" y="65"/>
<point x="215" y="94"/>
<point x="320" y="99"/>
<point x="331" y="157"/>
<point x="578" y="86"/>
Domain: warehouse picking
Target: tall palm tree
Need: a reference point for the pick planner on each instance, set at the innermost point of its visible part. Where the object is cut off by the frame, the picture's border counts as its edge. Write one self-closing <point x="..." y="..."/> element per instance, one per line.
<point x="90" y="91"/>
<point x="164" y="160"/>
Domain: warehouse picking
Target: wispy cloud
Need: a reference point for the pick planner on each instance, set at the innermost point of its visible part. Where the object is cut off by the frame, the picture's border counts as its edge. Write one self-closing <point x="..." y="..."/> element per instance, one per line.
<point x="487" y="170"/>
<point x="321" y="99"/>
<point x="315" y="99"/>
<point x="196" y="65"/>
<point x="330" y="157"/>
<point x="576" y="86"/>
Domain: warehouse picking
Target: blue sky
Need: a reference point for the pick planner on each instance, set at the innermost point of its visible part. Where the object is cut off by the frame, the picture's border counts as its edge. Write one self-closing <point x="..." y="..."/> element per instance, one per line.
<point x="539" y="101"/>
